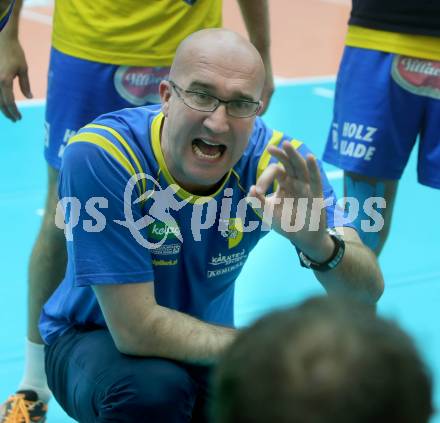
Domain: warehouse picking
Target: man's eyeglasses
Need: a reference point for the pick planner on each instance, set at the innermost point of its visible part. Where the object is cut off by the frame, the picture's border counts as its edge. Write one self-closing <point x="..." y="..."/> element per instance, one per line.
<point x="203" y="102"/>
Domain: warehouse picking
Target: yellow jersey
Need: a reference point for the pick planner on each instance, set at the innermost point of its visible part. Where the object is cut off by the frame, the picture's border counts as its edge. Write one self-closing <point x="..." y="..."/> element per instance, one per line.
<point x="130" y="32"/>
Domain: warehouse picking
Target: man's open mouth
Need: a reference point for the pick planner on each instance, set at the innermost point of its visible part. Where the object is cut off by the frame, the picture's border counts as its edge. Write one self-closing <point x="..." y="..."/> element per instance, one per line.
<point x="207" y="150"/>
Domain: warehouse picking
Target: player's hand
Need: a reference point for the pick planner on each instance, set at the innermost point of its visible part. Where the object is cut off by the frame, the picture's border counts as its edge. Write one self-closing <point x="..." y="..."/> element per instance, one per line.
<point x="12" y="65"/>
<point x="295" y="209"/>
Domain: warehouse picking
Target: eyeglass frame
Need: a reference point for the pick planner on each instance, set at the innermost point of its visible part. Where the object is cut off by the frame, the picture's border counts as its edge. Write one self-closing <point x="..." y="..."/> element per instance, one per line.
<point x="219" y="101"/>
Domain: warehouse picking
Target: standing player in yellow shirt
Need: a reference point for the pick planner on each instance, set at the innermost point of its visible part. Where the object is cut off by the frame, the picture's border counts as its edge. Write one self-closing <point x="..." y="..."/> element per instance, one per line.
<point x="105" y="56"/>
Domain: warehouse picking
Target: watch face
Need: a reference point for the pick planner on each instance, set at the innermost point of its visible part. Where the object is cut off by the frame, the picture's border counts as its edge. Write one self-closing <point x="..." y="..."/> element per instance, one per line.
<point x="305" y="261"/>
<point x="333" y="232"/>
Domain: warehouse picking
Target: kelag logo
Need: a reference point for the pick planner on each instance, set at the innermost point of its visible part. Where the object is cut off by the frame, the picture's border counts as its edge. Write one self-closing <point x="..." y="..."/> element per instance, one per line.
<point x="163" y="231"/>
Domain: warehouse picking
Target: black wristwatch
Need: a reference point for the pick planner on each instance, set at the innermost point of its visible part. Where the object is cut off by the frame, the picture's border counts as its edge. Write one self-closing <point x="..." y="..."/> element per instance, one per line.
<point x="334" y="259"/>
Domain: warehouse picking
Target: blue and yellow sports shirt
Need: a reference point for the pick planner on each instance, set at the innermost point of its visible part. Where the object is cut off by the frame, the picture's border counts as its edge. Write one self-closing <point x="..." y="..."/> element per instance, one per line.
<point x="130" y="32"/>
<point x="193" y="248"/>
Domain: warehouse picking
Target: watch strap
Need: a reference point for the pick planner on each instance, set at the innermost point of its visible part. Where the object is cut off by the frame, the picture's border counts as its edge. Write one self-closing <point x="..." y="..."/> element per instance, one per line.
<point x="332" y="261"/>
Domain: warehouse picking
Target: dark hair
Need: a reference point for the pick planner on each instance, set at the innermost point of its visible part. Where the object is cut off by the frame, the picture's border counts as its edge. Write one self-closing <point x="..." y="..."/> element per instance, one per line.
<point x="329" y="360"/>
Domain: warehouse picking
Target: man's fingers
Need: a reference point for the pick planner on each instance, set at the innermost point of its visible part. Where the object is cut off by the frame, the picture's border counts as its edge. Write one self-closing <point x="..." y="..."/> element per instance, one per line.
<point x="267" y="178"/>
<point x="297" y="161"/>
<point x="25" y="86"/>
<point x="11" y="107"/>
<point x="281" y="155"/>
<point x="5" y="109"/>
<point x="8" y="106"/>
<point x="315" y="176"/>
<point x="292" y="161"/>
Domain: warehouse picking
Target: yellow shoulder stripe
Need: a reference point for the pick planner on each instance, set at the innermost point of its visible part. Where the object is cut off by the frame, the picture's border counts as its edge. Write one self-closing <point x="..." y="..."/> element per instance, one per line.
<point x="265" y="157"/>
<point x="124" y="143"/>
<point x="105" y="144"/>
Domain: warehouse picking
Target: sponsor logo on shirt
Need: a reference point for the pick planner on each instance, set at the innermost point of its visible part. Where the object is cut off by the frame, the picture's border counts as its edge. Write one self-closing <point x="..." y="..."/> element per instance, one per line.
<point x="167" y="250"/>
<point x="161" y="230"/>
<point x="140" y="85"/>
<point x="227" y="263"/>
<point x="233" y="231"/>
<point x="164" y="262"/>
<point x="221" y="259"/>
<point x="225" y="270"/>
<point x="418" y="76"/>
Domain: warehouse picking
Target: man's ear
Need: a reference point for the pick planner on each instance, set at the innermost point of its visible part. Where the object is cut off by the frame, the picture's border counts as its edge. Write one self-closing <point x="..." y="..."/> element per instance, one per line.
<point x="165" y="94"/>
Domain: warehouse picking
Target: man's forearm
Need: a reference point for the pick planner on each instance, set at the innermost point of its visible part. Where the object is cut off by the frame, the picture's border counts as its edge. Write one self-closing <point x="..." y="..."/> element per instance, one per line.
<point x="140" y="326"/>
<point x="358" y="274"/>
<point x="256" y="18"/>
<point x="167" y="333"/>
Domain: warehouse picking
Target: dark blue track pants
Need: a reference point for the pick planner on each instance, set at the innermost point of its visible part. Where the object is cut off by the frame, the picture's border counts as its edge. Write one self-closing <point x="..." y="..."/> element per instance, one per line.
<point x="94" y="382"/>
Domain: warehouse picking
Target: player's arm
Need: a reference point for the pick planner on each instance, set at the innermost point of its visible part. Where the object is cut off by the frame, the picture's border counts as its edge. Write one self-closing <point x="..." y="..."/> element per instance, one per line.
<point x="357" y="274"/>
<point x="256" y="18"/>
<point x="299" y="178"/>
<point x="12" y="65"/>
<point x="139" y="326"/>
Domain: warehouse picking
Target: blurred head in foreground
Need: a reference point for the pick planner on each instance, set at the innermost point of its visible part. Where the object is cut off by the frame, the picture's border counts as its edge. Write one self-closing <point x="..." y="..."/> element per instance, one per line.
<point x="329" y="360"/>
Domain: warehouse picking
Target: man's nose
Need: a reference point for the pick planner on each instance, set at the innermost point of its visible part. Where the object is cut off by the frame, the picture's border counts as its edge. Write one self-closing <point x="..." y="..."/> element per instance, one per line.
<point x="218" y="120"/>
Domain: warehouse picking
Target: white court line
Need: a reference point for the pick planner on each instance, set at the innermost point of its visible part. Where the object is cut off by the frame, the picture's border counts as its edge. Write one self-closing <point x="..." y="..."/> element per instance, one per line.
<point x="324" y="92"/>
<point x="281" y="81"/>
<point x="35" y="102"/>
<point x="34" y="16"/>
<point x="37" y="17"/>
<point x="334" y="175"/>
<point x="36" y="3"/>
<point x="340" y="2"/>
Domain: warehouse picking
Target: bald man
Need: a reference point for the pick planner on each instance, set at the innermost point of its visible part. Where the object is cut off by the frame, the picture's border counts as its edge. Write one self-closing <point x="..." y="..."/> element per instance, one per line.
<point x="162" y="206"/>
<point x="103" y="58"/>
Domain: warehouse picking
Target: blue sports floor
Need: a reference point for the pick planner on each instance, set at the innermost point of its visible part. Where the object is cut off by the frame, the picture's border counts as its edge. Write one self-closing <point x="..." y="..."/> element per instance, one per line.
<point x="272" y="277"/>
